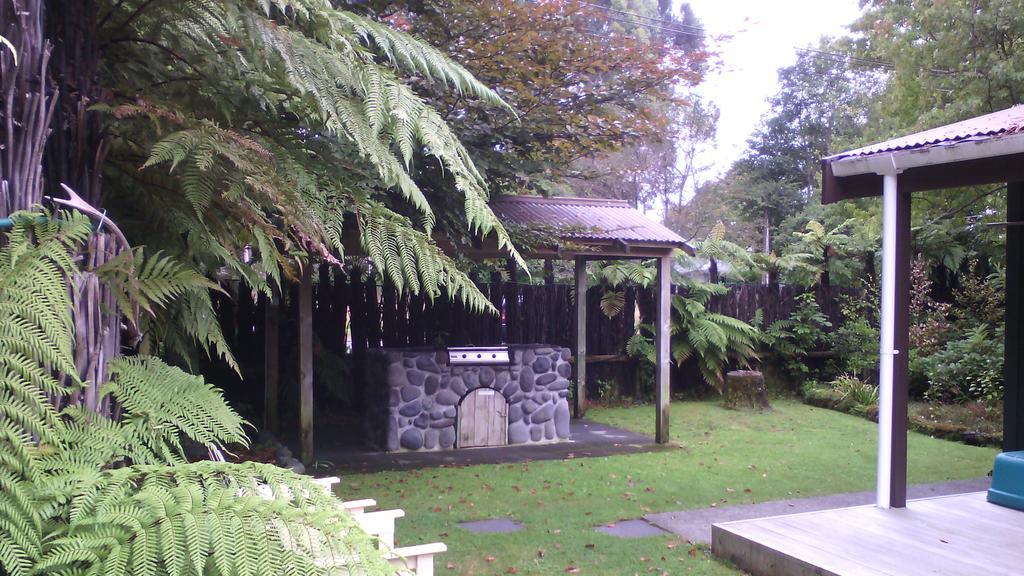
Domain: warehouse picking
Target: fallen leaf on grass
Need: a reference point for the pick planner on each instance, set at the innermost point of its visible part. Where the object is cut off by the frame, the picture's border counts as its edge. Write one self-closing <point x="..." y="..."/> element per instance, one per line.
<point x="572" y="570"/>
<point x="489" y="558"/>
<point x="511" y="570"/>
<point x="590" y="546"/>
<point x="450" y="566"/>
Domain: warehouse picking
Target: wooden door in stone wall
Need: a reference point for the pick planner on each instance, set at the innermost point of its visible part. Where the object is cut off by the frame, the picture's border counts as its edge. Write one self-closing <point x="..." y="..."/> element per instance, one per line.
<point x="483" y="419"/>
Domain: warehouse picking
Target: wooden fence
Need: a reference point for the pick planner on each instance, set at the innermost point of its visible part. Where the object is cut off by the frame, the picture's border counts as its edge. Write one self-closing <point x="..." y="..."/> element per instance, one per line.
<point x="352" y="314"/>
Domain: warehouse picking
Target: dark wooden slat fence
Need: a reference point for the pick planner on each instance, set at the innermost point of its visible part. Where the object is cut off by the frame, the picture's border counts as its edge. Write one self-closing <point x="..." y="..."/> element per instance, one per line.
<point x="352" y="314"/>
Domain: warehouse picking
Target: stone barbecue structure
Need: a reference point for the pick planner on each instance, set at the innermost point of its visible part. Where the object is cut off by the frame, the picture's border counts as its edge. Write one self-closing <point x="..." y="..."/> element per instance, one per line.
<point x="417" y="401"/>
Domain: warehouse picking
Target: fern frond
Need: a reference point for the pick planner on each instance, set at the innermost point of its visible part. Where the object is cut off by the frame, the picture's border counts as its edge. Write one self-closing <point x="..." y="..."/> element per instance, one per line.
<point x="409" y="257"/>
<point x="172" y="402"/>
<point x="612" y="303"/>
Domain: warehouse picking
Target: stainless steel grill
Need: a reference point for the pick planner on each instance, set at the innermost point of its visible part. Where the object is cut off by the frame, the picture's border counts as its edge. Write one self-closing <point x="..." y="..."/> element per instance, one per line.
<point x="478" y="356"/>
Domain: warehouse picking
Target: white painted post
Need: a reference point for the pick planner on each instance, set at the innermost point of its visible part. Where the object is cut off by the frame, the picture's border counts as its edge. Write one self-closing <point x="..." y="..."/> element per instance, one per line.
<point x="887" y="340"/>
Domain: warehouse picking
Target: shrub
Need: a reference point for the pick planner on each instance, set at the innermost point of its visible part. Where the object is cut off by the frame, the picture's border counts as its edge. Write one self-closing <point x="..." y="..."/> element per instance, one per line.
<point x="856" y="341"/>
<point x="930" y="326"/>
<point x="790" y="339"/>
<point x="981" y="298"/>
<point x="856" y="346"/>
<point x="855" y="395"/>
<point x="968" y="368"/>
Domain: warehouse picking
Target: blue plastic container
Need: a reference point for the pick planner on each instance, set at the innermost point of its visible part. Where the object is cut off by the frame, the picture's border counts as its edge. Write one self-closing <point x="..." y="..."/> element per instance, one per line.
<point x="1008" y="480"/>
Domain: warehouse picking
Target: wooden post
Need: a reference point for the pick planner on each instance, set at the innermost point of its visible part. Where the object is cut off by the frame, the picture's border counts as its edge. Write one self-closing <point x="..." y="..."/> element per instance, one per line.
<point x="306" y="363"/>
<point x="513" y="270"/>
<point x="1013" y="391"/>
<point x="549" y="272"/>
<point x="581" y="336"/>
<point x="271" y="363"/>
<point x="662" y="333"/>
<point x="894" y="354"/>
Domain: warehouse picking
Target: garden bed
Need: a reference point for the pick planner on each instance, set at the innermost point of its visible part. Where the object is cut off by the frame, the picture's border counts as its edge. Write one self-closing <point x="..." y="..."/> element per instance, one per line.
<point x="971" y="423"/>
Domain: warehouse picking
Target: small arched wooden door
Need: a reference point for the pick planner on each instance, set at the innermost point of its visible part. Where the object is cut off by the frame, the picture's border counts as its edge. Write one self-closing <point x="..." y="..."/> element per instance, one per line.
<point x="483" y="419"/>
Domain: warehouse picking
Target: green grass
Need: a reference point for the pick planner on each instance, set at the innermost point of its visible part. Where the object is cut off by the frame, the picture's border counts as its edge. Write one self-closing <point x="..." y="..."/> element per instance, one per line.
<point x="723" y="457"/>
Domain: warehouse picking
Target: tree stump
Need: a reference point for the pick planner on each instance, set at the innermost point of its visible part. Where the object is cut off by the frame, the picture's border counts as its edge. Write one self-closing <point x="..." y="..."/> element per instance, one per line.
<point x="745" y="387"/>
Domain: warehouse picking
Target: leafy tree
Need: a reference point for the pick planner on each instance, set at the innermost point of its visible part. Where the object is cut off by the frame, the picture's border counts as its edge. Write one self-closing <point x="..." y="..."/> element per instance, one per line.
<point x="583" y="80"/>
<point x="950" y="59"/>
<point x="822" y="103"/>
<point x="717" y="249"/>
<point x="774" y="266"/>
<point x="709" y="206"/>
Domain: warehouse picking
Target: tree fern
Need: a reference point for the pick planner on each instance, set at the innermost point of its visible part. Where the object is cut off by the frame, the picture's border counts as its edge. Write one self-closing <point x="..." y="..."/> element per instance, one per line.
<point x="306" y="117"/>
<point x="717" y="341"/>
<point x="83" y="494"/>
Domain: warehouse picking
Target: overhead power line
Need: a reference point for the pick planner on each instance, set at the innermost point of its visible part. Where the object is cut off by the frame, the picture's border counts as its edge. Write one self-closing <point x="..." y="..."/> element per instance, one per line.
<point x="655" y="27"/>
<point x="642" y="17"/>
<point x="674" y="27"/>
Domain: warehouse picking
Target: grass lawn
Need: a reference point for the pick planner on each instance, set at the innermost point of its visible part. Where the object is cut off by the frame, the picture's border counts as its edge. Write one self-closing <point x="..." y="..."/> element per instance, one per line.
<point x="724" y="457"/>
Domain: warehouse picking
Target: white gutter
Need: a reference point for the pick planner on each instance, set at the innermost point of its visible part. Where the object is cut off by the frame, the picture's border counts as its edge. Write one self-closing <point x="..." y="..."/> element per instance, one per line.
<point x="888" y="339"/>
<point x="900" y="160"/>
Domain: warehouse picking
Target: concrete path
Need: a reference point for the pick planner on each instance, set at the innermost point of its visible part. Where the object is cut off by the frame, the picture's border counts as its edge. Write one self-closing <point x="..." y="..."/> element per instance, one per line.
<point x="695" y="525"/>
<point x="589" y="439"/>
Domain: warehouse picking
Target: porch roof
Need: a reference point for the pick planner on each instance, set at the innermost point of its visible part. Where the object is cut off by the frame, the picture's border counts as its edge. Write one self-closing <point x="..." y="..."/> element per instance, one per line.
<point x="981" y="150"/>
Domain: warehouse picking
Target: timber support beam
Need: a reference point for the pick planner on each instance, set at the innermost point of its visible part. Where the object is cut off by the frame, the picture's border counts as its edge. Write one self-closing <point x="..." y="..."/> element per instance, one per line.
<point x="581" y="336"/>
<point x="1013" y="391"/>
<point x="662" y="334"/>
<point x="306" y="363"/>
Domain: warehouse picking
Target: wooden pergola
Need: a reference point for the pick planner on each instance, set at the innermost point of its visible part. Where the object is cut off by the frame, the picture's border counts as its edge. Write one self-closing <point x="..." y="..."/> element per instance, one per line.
<point x="601" y="229"/>
<point x="983" y="150"/>
<point x="579" y="229"/>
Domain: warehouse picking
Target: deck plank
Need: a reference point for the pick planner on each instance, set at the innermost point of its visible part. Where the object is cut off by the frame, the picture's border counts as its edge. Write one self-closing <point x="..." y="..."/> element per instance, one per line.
<point x="960" y="535"/>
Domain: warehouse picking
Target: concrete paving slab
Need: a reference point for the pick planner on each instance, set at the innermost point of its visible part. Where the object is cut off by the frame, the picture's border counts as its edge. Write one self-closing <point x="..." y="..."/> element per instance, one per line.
<point x="695" y="525"/>
<point x="492" y="525"/>
<point x="637" y="528"/>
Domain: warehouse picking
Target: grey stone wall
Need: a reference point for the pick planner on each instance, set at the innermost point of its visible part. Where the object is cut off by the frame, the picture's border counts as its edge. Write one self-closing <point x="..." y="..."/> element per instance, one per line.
<point x="423" y="394"/>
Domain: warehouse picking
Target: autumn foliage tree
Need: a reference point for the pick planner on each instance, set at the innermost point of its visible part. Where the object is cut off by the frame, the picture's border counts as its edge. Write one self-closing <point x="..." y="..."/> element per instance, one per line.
<point x="580" y="83"/>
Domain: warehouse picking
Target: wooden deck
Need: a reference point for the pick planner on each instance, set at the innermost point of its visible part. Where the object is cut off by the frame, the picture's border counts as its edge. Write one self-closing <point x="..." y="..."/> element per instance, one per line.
<point x="961" y="535"/>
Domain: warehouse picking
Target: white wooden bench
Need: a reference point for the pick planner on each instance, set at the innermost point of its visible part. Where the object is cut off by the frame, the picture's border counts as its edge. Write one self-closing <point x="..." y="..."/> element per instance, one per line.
<point x="382" y="525"/>
<point x="415" y="560"/>
<point x="358" y="507"/>
<point x="418" y="560"/>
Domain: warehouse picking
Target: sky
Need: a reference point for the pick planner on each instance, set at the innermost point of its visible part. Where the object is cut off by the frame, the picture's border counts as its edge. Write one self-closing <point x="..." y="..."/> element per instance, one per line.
<point x="762" y="35"/>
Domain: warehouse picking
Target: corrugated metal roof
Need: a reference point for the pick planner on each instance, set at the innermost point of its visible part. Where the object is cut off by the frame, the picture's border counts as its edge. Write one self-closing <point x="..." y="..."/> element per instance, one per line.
<point x="586" y="219"/>
<point x="1001" y="123"/>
